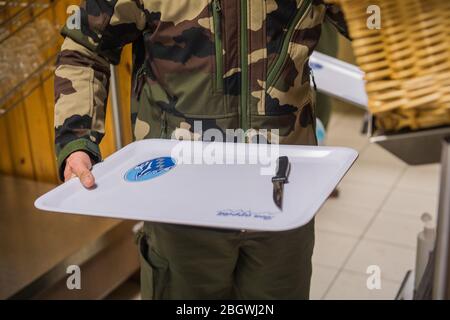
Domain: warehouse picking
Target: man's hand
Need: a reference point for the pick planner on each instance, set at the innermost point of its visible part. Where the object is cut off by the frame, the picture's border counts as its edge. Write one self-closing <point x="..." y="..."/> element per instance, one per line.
<point x="79" y="164"/>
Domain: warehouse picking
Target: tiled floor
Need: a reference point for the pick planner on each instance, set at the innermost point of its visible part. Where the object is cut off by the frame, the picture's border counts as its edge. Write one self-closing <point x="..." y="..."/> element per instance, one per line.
<point x="375" y="220"/>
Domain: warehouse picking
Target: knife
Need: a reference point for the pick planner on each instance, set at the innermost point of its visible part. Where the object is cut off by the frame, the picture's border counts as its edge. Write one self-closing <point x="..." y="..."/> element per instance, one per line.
<point x="280" y="179"/>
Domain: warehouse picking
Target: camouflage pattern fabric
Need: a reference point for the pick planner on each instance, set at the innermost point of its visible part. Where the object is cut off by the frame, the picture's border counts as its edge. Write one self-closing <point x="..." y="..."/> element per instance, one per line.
<point x="225" y="63"/>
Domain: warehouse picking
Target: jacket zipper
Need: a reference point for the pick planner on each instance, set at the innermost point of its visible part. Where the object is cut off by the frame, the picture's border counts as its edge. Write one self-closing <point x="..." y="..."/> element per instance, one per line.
<point x="244" y="68"/>
<point x="217" y="21"/>
<point x="277" y="65"/>
<point x="142" y="72"/>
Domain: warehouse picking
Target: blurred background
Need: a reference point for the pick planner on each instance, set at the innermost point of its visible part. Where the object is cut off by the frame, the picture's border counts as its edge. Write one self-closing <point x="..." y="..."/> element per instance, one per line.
<point x="376" y="217"/>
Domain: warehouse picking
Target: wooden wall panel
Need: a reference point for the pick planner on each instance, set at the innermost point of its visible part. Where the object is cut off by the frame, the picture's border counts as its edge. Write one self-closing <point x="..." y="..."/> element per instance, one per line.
<point x="107" y="146"/>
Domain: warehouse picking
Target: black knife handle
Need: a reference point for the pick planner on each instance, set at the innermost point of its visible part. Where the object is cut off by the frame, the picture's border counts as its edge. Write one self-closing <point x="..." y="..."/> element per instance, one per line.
<point x="283" y="168"/>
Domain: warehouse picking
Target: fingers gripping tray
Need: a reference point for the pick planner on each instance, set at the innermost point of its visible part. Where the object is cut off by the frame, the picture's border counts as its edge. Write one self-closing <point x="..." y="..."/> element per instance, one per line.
<point x="219" y="185"/>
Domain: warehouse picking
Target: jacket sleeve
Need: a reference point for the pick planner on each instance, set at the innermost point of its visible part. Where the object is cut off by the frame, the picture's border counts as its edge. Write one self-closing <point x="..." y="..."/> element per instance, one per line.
<point x="335" y="16"/>
<point x="82" y="72"/>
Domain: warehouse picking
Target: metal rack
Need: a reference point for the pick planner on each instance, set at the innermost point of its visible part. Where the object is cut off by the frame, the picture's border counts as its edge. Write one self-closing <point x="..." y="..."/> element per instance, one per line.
<point x="22" y="90"/>
<point x="28" y="13"/>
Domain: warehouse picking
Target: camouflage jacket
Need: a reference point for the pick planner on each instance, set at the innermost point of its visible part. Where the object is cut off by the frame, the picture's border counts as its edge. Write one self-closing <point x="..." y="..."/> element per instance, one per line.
<point x="226" y="64"/>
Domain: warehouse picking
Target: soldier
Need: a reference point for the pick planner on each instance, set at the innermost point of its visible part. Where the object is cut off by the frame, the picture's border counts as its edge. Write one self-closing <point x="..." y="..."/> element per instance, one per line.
<point x="226" y="63"/>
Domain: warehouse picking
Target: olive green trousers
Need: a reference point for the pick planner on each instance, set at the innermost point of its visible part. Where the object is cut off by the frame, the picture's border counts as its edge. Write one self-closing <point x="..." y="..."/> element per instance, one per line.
<point x="185" y="262"/>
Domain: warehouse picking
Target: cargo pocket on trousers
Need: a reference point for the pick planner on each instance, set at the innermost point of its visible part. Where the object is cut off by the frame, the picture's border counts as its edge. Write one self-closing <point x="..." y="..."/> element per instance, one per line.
<point x="154" y="271"/>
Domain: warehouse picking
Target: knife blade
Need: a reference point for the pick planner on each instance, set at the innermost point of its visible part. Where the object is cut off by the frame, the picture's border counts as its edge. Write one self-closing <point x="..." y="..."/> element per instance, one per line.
<point x="280" y="179"/>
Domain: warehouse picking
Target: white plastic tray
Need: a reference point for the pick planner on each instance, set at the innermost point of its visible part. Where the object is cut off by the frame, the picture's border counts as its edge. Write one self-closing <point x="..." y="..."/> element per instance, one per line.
<point x="232" y="196"/>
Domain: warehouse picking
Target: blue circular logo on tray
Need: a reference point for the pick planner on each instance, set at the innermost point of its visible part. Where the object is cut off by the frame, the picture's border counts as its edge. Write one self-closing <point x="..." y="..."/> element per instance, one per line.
<point x="150" y="169"/>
